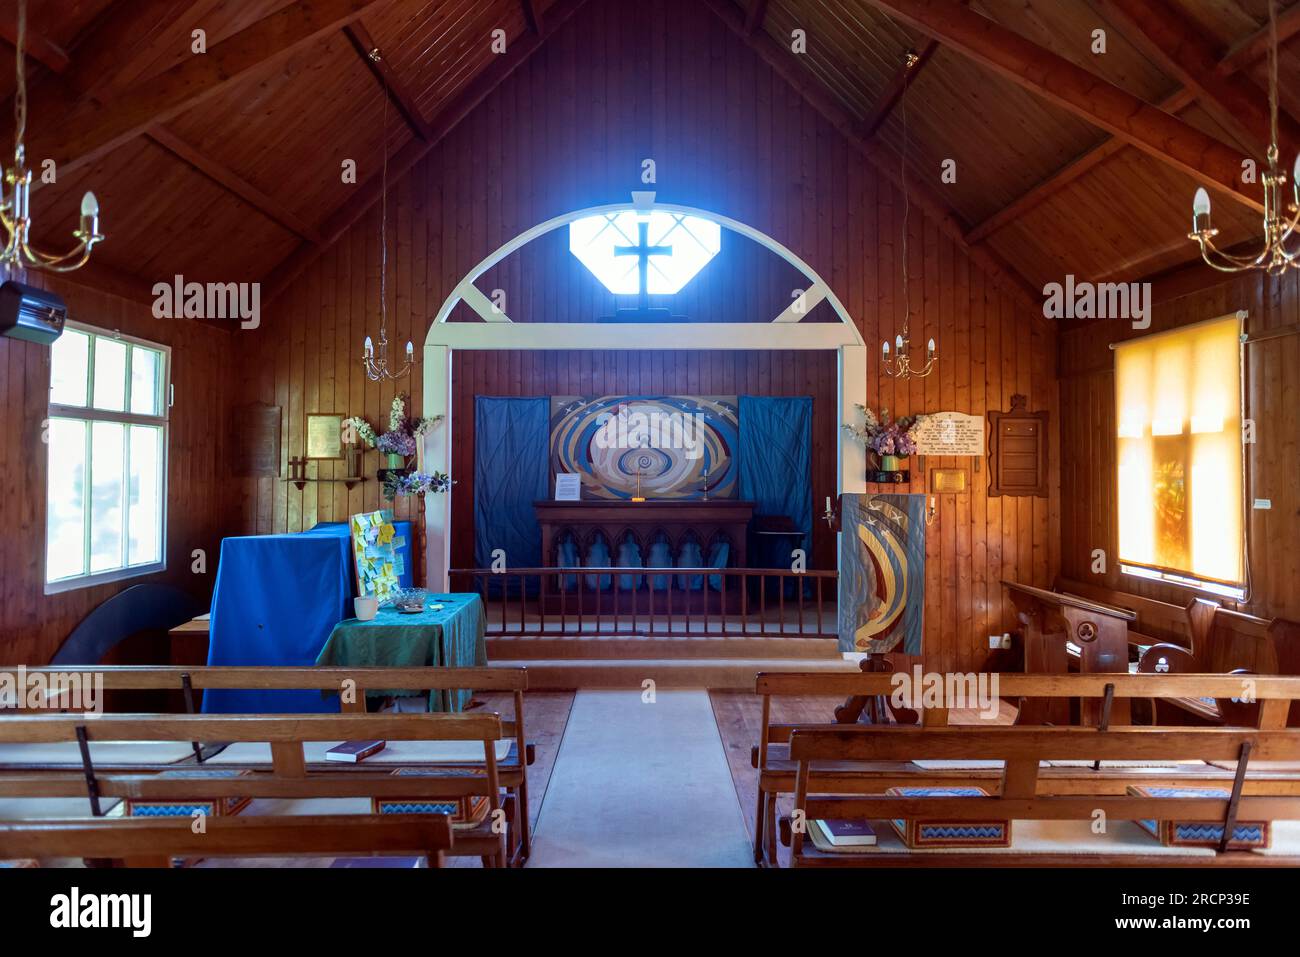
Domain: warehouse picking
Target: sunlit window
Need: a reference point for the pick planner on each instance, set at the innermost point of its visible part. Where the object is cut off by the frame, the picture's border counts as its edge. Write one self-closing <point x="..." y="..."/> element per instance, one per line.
<point x="107" y="458"/>
<point x="1178" y="398"/>
<point x="675" y="248"/>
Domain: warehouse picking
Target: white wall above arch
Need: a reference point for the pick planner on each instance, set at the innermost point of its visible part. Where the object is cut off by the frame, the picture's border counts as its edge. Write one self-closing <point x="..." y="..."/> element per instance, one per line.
<point x="783" y="332"/>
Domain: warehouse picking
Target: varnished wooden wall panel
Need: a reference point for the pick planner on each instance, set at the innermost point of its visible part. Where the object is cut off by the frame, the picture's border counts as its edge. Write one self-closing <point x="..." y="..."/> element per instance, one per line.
<point x="1088" y="491"/>
<point x="32" y="624"/>
<point x="568" y="130"/>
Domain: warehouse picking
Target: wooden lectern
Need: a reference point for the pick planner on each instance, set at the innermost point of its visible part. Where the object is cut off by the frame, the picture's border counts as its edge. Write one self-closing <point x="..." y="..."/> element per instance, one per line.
<point x="1053" y="621"/>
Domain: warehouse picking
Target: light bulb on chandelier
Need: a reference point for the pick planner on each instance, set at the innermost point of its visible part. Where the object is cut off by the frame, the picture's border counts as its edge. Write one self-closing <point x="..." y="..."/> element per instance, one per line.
<point x="1280" y="218"/>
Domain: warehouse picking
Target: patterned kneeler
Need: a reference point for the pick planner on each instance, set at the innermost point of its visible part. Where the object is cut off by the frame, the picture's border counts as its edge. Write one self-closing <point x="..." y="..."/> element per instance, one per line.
<point x="931" y="833"/>
<point x="1174" y="833"/>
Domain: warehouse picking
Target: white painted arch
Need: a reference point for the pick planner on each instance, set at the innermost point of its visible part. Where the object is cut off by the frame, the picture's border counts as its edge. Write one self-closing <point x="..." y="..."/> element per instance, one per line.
<point x="497" y="331"/>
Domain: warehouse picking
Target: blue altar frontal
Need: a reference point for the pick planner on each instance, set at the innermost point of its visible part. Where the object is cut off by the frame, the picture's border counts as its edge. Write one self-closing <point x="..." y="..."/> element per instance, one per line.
<point x="276" y="601"/>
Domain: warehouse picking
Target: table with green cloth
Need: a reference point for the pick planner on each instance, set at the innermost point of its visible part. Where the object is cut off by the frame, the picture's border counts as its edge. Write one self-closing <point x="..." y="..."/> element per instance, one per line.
<point x="448" y="637"/>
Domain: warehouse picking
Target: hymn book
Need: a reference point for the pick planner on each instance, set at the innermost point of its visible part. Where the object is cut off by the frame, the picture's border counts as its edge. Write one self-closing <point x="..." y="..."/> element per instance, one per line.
<point x="354" y="751"/>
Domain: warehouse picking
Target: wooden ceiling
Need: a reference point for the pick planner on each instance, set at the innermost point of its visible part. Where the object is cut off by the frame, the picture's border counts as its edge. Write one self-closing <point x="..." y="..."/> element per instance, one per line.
<point x="227" y="166"/>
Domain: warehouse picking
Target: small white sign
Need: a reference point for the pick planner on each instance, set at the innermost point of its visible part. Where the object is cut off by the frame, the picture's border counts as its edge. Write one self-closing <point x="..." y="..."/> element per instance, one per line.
<point x="950" y="433"/>
<point x="568" y="487"/>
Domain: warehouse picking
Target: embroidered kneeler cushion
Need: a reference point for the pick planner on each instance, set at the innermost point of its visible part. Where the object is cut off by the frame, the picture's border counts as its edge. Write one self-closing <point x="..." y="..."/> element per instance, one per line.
<point x="466" y="812"/>
<point x="937" y="833"/>
<point x="1176" y="833"/>
<point x="176" y="807"/>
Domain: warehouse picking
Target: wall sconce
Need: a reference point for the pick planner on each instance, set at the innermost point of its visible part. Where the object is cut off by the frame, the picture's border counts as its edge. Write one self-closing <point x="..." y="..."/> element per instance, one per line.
<point x="931" y="511"/>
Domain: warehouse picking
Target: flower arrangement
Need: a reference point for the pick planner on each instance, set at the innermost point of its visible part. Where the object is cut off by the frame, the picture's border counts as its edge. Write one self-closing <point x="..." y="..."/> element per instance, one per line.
<point x="403" y="429"/>
<point x="884" y="437"/>
<point x="414" y="483"/>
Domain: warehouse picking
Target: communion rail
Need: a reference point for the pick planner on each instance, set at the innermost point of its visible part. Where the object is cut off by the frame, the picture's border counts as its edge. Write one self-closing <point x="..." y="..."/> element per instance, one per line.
<point x="732" y="602"/>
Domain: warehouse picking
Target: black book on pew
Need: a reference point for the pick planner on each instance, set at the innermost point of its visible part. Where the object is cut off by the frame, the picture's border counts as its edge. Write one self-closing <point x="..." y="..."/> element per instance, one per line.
<point x="354" y="751"/>
<point x="848" y="833"/>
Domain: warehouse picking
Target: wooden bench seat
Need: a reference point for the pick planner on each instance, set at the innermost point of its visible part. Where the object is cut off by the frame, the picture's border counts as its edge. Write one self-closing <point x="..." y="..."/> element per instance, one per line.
<point x="514" y="752"/>
<point x="153" y="842"/>
<point x="1021" y="797"/>
<point x="289" y="776"/>
<point x="778" y="768"/>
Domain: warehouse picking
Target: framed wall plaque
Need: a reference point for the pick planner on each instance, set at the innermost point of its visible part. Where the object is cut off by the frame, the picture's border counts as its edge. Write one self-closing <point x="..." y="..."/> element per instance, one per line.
<point x="255" y="440"/>
<point x="1018" y="451"/>
<point x="324" y="435"/>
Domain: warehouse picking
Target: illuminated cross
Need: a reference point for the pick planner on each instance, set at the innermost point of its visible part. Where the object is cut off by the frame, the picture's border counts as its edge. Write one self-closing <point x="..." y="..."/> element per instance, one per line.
<point x="643" y="251"/>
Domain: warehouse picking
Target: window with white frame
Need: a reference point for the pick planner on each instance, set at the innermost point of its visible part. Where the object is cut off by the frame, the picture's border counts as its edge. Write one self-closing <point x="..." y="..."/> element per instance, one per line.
<point x="106" y="492"/>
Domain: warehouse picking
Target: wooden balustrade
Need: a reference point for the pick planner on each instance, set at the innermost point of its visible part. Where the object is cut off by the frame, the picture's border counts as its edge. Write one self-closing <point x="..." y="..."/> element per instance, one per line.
<point x="733" y="602"/>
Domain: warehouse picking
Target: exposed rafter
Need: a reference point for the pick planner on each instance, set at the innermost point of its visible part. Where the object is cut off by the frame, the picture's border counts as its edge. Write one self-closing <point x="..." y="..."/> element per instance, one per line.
<point x="39" y="48"/>
<point x="755" y="16"/>
<point x="882" y="157"/>
<point x="532" y="16"/>
<point x="398" y="93"/>
<point x="233" y="182"/>
<point x="1168" y="139"/>
<point x="92" y="131"/>
<point x="368" y="193"/>
<point x="1250" y="51"/>
<point x="1175" y="44"/>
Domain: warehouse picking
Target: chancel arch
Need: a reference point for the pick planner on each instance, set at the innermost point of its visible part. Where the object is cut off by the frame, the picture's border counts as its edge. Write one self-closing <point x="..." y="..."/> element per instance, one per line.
<point x="498" y="331"/>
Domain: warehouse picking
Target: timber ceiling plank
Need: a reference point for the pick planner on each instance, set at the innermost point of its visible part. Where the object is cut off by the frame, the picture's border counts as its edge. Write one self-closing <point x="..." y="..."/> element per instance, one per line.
<point x="92" y="131"/>
<point x="404" y="159"/>
<point x="1111" y="108"/>
<point x="297" y="126"/>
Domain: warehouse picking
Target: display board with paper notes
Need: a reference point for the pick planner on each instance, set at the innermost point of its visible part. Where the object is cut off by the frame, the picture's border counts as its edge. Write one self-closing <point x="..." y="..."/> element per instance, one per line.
<point x="377" y="547"/>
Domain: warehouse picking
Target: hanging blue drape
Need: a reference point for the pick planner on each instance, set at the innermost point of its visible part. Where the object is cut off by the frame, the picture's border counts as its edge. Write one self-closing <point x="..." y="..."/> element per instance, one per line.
<point x="511" y="458"/>
<point x="776" y="470"/>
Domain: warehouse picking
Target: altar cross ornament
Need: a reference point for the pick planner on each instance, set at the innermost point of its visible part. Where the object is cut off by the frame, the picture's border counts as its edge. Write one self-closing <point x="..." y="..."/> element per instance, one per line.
<point x="643" y="251"/>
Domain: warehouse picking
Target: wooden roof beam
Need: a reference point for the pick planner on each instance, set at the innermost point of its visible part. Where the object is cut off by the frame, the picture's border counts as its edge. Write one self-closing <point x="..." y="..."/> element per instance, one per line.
<point x="532" y="16"/>
<point x="398" y="93"/>
<point x="93" y="130"/>
<point x="1245" y="54"/>
<point x="368" y="193"/>
<point x="1168" y="139"/>
<point x="755" y="16"/>
<point x="39" y="48"/>
<point x="1175" y="44"/>
<point x="232" y="182"/>
<point x="788" y="67"/>
<point x="898" y="85"/>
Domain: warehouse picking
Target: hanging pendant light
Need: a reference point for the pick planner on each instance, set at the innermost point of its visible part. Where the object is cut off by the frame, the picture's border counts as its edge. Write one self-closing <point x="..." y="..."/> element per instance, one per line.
<point x="900" y="366"/>
<point x="1273" y="256"/>
<point x="15" y="200"/>
<point x="375" y="360"/>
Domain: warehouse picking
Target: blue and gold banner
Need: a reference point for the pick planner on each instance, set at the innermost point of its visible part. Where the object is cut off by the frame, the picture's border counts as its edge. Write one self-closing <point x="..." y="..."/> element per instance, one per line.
<point x="882" y="573"/>
<point x="667" y="447"/>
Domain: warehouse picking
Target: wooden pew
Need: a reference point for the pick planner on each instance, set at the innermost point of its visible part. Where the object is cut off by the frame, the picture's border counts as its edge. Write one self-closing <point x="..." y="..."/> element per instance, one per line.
<point x="290" y="775"/>
<point x="155" y="842"/>
<point x="1020" y="794"/>
<point x="1201" y="637"/>
<point x="189" y="682"/>
<point x="1054" y="624"/>
<point x="777" y="769"/>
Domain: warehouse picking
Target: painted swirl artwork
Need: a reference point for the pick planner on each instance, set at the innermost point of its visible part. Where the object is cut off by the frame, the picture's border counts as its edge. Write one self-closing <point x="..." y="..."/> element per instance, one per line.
<point x="668" y="447"/>
<point x="882" y="573"/>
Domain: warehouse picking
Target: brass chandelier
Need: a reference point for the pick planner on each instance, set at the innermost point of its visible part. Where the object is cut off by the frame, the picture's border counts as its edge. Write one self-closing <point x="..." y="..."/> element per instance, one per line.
<point x="15" y="201"/>
<point x="376" y="362"/>
<point x="1279" y="222"/>
<point x="900" y="366"/>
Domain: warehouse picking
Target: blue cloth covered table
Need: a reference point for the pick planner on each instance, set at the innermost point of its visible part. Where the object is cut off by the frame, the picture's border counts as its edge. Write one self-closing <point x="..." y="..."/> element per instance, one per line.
<point x="276" y="600"/>
<point x="449" y="637"/>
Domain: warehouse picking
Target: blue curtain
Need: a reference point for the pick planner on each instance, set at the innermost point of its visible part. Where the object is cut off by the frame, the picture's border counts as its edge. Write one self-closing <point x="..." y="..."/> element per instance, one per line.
<point x="776" y="470"/>
<point x="511" y="458"/>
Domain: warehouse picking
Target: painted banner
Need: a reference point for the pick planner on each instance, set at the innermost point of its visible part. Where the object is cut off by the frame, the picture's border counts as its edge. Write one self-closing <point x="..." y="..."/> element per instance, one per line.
<point x="659" y="447"/>
<point x="882" y="573"/>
